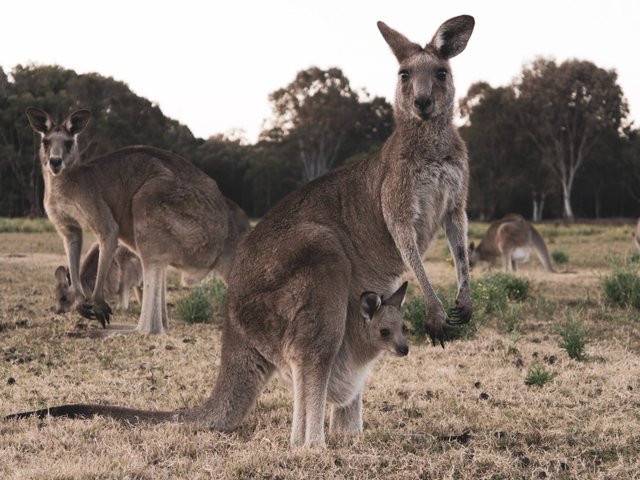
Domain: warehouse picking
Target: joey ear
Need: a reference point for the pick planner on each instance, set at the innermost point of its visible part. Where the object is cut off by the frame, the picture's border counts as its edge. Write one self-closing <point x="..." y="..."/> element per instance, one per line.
<point x="397" y="299"/>
<point x="472" y="246"/>
<point x="452" y="36"/>
<point x="369" y="303"/>
<point x="77" y="121"/>
<point x="62" y="275"/>
<point x="39" y="120"/>
<point x="400" y="45"/>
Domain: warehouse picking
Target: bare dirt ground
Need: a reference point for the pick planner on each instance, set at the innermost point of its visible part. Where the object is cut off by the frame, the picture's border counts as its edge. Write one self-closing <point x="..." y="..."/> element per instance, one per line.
<point x="463" y="412"/>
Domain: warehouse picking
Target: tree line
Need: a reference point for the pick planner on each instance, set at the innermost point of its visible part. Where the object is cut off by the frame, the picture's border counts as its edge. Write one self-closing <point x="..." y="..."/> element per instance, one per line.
<point x="555" y="142"/>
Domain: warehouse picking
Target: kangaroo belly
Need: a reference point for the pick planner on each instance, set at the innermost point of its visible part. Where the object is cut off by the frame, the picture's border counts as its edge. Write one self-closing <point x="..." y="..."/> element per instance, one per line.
<point x="521" y="254"/>
<point x="346" y="381"/>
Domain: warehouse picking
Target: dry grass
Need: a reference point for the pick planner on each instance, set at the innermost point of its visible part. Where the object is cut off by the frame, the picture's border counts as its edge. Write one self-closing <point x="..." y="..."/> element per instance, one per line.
<point x="585" y="423"/>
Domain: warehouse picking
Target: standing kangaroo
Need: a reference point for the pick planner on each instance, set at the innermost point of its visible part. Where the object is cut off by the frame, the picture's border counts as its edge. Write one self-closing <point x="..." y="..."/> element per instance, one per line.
<point x="158" y="204"/>
<point x="297" y="279"/>
<point x="125" y="273"/>
<point x="510" y="238"/>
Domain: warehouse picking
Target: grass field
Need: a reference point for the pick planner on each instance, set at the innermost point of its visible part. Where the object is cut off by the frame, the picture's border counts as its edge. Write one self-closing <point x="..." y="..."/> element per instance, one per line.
<point x="464" y="412"/>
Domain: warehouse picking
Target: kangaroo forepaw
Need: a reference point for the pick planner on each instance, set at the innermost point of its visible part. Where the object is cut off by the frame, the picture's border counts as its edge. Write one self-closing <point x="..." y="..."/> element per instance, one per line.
<point x="435" y="327"/>
<point x="461" y="313"/>
<point x="100" y="311"/>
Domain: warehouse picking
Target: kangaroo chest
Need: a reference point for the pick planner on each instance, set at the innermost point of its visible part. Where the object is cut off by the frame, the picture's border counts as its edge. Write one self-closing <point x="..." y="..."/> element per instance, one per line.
<point x="437" y="186"/>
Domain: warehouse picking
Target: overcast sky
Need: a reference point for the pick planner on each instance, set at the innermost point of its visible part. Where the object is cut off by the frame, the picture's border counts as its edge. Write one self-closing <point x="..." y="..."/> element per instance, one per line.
<point x="211" y="65"/>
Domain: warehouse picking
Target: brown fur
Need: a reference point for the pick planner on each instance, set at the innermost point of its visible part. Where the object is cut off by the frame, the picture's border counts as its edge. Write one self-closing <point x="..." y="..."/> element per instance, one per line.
<point x="511" y="239"/>
<point x="296" y="283"/>
<point x="158" y="204"/>
<point x="125" y="273"/>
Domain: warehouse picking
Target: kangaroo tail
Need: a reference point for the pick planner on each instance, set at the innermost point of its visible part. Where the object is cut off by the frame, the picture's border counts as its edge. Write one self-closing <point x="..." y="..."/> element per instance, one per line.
<point x="130" y="415"/>
<point x="541" y="250"/>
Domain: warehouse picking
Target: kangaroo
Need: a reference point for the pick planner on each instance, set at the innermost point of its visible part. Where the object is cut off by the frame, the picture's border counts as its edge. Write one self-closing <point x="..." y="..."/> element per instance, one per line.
<point x="510" y="238"/>
<point x="296" y="281"/>
<point x="158" y="204"/>
<point x="125" y="273"/>
<point x="636" y="235"/>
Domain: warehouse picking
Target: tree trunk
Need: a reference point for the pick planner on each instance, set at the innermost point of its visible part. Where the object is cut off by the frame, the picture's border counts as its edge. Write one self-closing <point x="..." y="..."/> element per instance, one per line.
<point x="567" y="211"/>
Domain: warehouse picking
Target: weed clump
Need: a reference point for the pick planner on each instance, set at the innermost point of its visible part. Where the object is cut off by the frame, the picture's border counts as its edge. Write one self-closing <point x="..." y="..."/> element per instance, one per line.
<point x="574" y="338"/>
<point x="560" y="257"/>
<point x="204" y="304"/>
<point x="622" y="287"/>
<point x="538" y="376"/>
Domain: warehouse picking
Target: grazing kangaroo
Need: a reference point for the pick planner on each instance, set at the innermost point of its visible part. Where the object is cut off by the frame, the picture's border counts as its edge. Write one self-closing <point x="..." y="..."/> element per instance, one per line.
<point x="158" y="204"/>
<point x="381" y="329"/>
<point x="510" y="238"/>
<point x="296" y="281"/>
<point x="125" y="273"/>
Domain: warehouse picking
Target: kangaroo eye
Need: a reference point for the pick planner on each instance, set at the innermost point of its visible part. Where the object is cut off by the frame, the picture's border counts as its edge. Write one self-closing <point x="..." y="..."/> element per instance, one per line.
<point x="441" y="74"/>
<point x="404" y="75"/>
<point x="404" y="329"/>
<point x="384" y="332"/>
<point x="68" y="145"/>
<point x="63" y="298"/>
<point x="46" y="143"/>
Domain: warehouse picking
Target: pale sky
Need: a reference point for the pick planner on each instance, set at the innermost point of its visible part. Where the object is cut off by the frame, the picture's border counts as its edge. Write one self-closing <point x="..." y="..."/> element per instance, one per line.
<point x="211" y="65"/>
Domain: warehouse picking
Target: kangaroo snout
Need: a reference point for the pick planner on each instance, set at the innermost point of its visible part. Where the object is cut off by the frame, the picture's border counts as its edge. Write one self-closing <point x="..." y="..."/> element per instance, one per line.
<point x="424" y="105"/>
<point x="402" y="350"/>
<point x="55" y="164"/>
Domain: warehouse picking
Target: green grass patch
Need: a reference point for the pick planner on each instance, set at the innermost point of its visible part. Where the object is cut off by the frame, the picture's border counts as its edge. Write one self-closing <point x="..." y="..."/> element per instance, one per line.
<point x="621" y="288"/>
<point x="574" y="338"/>
<point x="537" y="376"/>
<point x="25" y="225"/>
<point x="206" y="303"/>
<point x="560" y="257"/>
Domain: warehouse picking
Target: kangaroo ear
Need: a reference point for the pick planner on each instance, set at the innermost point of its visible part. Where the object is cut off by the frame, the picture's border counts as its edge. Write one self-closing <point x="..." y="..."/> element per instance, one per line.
<point x="369" y="303"/>
<point x="397" y="299"/>
<point x="77" y="121"/>
<point x="39" y="120"/>
<point x="400" y="45"/>
<point x="453" y="35"/>
<point x="62" y="275"/>
<point x="472" y="247"/>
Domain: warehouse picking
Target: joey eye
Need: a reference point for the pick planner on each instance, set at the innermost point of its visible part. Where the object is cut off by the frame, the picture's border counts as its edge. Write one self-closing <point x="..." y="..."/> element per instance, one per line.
<point x="384" y="332"/>
<point x="404" y="75"/>
<point x="63" y="298"/>
<point x="68" y="145"/>
<point x="404" y="329"/>
<point x="441" y="74"/>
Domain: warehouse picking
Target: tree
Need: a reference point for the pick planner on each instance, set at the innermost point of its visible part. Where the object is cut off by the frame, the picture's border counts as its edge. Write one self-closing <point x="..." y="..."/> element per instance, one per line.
<point x="327" y="119"/>
<point x="565" y="110"/>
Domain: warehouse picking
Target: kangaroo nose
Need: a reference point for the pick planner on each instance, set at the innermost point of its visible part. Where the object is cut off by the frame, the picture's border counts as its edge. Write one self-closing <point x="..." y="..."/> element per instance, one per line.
<point x="55" y="162"/>
<point x="422" y="103"/>
<point x="403" y="350"/>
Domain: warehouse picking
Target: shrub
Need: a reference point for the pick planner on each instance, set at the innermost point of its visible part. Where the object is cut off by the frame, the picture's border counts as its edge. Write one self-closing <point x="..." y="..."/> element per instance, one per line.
<point x="491" y="294"/>
<point x="622" y="287"/>
<point x="538" y="376"/>
<point x="414" y="313"/>
<point x="573" y="335"/>
<point x="204" y="304"/>
<point x="560" y="257"/>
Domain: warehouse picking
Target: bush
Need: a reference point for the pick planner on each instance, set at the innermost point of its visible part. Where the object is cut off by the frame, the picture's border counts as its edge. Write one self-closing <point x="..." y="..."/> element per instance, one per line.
<point x="491" y="294"/>
<point x="25" y="225"/>
<point x="573" y="335"/>
<point x="538" y="376"/>
<point x="560" y="257"/>
<point x="622" y="287"/>
<point x="204" y="304"/>
<point x="414" y="313"/>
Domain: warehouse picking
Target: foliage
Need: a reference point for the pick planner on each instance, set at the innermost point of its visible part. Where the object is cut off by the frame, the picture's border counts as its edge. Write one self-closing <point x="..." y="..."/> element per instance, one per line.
<point x="204" y="304"/>
<point x="560" y="257"/>
<point x="25" y="225"/>
<point x="574" y="338"/>
<point x="492" y="293"/>
<point x="621" y="287"/>
<point x="538" y="376"/>
<point x="414" y="313"/>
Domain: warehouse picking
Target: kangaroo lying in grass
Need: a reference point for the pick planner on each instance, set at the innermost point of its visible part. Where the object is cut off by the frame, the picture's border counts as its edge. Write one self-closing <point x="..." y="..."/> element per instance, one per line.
<point x="380" y="329"/>
<point x="510" y="238"/>
<point x="158" y="204"/>
<point x="125" y="273"/>
<point x="296" y="281"/>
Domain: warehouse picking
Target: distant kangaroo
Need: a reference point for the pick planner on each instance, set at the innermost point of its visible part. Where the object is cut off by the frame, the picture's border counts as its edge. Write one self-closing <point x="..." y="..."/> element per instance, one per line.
<point x="296" y="281"/>
<point x="125" y="273"/>
<point x="636" y="235"/>
<point x="158" y="204"/>
<point x="511" y="239"/>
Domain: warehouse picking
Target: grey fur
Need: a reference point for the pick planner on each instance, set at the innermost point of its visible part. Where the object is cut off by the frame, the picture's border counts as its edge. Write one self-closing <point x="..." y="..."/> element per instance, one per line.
<point x="125" y="273"/>
<point x="158" y="204"/>
<point x="511" y="239"/>
<point x="296" y="281"/>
